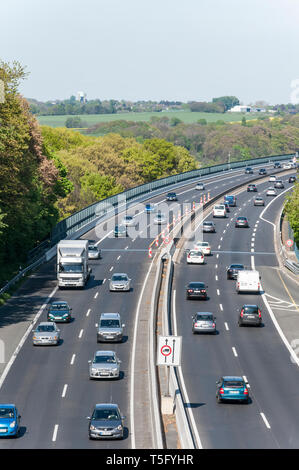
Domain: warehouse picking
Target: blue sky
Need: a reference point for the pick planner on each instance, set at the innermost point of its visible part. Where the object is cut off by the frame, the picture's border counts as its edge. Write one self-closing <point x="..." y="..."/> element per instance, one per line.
<point x="157" y="49"/>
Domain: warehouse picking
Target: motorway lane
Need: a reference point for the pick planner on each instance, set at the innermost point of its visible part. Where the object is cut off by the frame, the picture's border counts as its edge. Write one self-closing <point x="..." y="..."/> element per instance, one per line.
<point x="38" y="376"/>
<point x="261" y="353"/>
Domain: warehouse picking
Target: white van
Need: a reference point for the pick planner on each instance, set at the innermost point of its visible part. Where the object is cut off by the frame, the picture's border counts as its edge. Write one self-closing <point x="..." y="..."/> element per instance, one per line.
<point x="219" y="210"/>
<point x="248" y="281"/>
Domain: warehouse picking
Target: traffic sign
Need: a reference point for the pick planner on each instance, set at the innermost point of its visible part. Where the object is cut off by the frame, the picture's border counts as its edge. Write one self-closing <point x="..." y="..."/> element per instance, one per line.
<point x="169" y="350"/>
<point x="289" y="243"/>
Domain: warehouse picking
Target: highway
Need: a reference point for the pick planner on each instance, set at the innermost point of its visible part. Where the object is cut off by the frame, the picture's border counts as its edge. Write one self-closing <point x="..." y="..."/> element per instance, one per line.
<point x="51" y="387"/>
<point x="258" y="354"/>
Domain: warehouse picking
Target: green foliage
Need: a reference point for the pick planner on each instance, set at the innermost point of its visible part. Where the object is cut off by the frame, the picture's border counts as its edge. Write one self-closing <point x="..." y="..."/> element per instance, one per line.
<point x="227" y="102"/>
<point x="292" y="211"/>
<point x="73" y="122"/>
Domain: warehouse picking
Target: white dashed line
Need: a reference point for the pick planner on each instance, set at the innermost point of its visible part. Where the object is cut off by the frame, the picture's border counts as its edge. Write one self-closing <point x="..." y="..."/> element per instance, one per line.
<point x="104" y="281"/>
<point x="218" y="292"/>
<point x="73" y="359"/>
<point x="219" y="246"/>
<point x="118" y="257"/>
<point x="221" y="307"/>
<point x="216" y="266"/>
<point x="246" y="381"/>
<point x="221" y="239"/>
<point x="88" y="312"/>
<point x="111" y="268"/>
<point x="95" y="296"/>
<point x="216" y="277"/>
<point x="234" y="351"/>
<point x="217" y="256"/>
<point x="80" y="334"/>
<point x="55" y="433"/>
<point x="64" y="391"/>
<point x="265" y="420"/>
<point x="226" y="326"/>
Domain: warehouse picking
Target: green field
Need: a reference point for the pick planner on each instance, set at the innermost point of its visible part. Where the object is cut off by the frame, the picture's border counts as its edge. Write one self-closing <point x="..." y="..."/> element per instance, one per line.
<point x="185" y="116"/>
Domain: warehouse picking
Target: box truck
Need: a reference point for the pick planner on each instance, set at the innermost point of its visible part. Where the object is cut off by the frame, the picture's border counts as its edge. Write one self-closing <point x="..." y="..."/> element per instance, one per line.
<point x="72" y="263"/>
<point x="248" y="281"/>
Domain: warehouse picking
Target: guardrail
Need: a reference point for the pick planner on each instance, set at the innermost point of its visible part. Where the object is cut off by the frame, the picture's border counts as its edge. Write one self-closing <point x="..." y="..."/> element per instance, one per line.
<point x="292" y="266"/>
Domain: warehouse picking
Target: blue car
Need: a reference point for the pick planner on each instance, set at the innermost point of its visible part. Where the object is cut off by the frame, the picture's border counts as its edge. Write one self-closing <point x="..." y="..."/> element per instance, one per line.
<point x="9" y="420"/>
<point x="149" y="208"/>
<point x="231" y="200"/>
<point x="232" y="388"/>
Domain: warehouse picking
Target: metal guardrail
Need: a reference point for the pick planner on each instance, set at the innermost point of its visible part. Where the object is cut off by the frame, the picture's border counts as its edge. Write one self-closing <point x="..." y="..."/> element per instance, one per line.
<point x="292" y="266"/>
<point x="22" y="274"/>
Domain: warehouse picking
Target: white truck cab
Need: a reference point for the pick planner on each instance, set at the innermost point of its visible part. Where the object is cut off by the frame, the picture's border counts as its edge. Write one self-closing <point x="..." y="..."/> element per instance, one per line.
<point x="248" y="281"/>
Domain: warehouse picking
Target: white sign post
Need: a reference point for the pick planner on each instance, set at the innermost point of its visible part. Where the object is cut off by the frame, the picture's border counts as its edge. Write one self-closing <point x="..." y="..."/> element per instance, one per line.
<point x="169" y="353"/>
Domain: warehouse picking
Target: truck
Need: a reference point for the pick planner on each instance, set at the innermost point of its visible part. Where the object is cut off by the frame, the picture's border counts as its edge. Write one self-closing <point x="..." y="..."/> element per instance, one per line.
<point x="72" y="263"/>
<point x="248" y="281"/>
<point x="231" y="200"/>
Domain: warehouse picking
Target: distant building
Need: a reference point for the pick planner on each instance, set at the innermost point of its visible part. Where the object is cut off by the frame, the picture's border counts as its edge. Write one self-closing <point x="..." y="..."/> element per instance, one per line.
<point x="240" y="108"/>
<point x="81" y="97"/>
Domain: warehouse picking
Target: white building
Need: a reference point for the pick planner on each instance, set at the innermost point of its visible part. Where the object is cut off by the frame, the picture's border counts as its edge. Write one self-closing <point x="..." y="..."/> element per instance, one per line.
<point x="240" y="108"/>
<point x="81" y="96"/>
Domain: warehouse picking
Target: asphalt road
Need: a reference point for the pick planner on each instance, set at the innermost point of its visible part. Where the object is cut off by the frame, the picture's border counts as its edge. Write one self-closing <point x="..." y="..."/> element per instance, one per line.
<point x="50" y="385"/>
<point x="271" y="420"/>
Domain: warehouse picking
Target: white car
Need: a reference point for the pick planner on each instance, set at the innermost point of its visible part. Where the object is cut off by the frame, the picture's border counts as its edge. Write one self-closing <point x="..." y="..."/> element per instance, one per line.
<point x="160" y="219"/>
<point x="195" y="257"/>
<point x="200" y="187"/>
<point x="204" y="247"/>
<point x="219" y="210"/>
<point x="128" y="221"/>
<point x="272" y="178"/>
<point x="271" y="192"/>
<point x="287" y="166"/>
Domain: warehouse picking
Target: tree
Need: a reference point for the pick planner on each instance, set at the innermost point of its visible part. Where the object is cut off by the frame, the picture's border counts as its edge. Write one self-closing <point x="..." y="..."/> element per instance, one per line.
<point x="227" y="101"/>
<point x="292" y="211"/>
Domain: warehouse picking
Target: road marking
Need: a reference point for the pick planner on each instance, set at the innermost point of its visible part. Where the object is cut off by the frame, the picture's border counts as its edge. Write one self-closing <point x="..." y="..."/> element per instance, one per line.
<point x="218" y="292"/>
<point x="216" y="266"/>
<point x="235" y="352"/>
<point x="64" y="391"/>
<point x="95" y="296"/>
<point x="252" y="244"/>
<point x="288" y="292"/>
<point x="252" y="263"/>
<point x="216" y="277"/>
<point x="88" y="312"/>
<point x="252" y="250"/>
<point x="126" y="247"/>
<point x="104" y="281"/>
<point x="73" y="359"/>
<point x="111" y="268"/>
<point x="224" y="231"/>
<point x="226" y="326"/>
<point x="119" y="256"/>
<point x="246" y="381"/>
<point x="265" y="420"/>
<point x="221" y="307"/>
<point x="221" y="239"/>
<point x="219" y="246"/>
<point x="80" y="334"/>
<point x="217" y="256"/>
<point x="55" y="432"/>
<point x="227" y="224"/>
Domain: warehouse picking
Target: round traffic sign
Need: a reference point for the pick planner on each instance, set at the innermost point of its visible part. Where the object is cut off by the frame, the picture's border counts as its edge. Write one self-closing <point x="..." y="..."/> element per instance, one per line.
<point x="289" y="243"/>
<point x="166" y="350"/>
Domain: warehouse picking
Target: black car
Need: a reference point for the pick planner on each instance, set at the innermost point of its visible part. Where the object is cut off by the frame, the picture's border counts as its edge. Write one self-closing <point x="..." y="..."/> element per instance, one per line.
<point x="248" y="171"/>
<point x="233" y="269"/>
<point x="292" y="179"/>
<point x="196" y="290"/>
<point x="241" y="222"/>
<point x="250" y="315"/>
<point x="208" y="227"/>
<point x="262" y="171"/>
<point x="251" y="187"/>
<point x="59" y="311"/>
<point x="227" y="206"/>
<point x="171" y="197"/>
<point x="277" y="165"/>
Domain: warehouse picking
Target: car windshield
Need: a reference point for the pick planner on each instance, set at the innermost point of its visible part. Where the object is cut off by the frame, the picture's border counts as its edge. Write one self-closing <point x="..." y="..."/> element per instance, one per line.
<point x="241" y="218"/>
<point x="106" y="414"/>
<point x="202" y="243"/>
<point x="45" y="328"/>
<point x="92" y="248"/>
<point x="195" y="253"/>
<point x="70" y="268"/>
<point x="209" y="224"/>
<point x="233" y="384"/>
<point x="236" y="266"/>
<point x="109" y="323"/>
<point x="219" y="207"/>
<point x="250" y="309"/>
<point x="109" y="359"/>
<point x="59" y="307"/>
<point x="204" y="317"/>
<point x="119" y="277"/>
<point x="197" y="285"/>
<point x="6" y="413"/>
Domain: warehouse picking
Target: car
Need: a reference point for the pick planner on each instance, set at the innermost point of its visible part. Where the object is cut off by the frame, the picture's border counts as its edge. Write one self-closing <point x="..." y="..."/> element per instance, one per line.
<point x="196" y="290"/>
<point x="104" y="365"/>
<point x="128" y="221"/>
<point x="277" y="165"/>
<point x="271" y="192"/>
<point x="195" y="257"/>
<point x="251" y="188"/>
<point x="200" y="187"/>
<point x="46" y="333"/>
<point x="120" y="231"/>
<point x="258" y="201"/>
<point x="204" y="322"/>
<point x="106" y="422"/>
<point x="208" y="227"/>
<point x="94" y="252"/>
<point x="287" y="166"/>
<point x="272" y="178"/>
<point x="171" y="197"/>
<point x="231" y="199"/>
<point x="279" y="184"/>
<point x="227" y="206"/>
<point x="219" y="210"/>
<point x="149" y="208"/>
<point x="119" y="282"/>
<point x="262" y="171"/>
<point x="233" y="269"/>
<point x="204" y="247"/>
<point x="9" y="420"/>
<point x="292" y="179"/>
<point x="250" y="315"/>
<point x="241" y="222"/>
<point x="160" y="219"/>
<point x="59" y="311"/>
<point x="232" y="388"/>
<point x="248" y="171"/>
<point x="110" y="328"/>
<point x="248" y="280"/>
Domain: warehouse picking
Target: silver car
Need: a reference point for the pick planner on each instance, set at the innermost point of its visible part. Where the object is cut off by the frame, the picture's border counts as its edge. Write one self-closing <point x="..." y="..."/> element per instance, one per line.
<point x="204" y="322"/>
<point x="128" y="221"/>
<point x="120" y="282"/>
<point x="110" y="328"/>
<point x="106" y="422"/>
<point x="47" y="333"/>
<point x="160" y="219"/>
<point x="105" y="365"/>
<point x="200" y="187"/>
<point x="271" y="192"/>
<point x="94" y="252"/>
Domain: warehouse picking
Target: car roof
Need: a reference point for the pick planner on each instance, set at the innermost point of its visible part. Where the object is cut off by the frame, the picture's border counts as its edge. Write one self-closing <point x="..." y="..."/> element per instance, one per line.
<point x="104" y="353"/>
<point x="249" y="305"/>
<point x="7" y="405"/>
<point x="197" y="282"/>
<point x="204" y="313"/>
<point x="232" y="377"/>
<point x="237" y="264"/>
<point x="119" y="274"/>
<point x="110" y="315"/>
<point x="59" y="302"/>
<point x="46" y="323"/>
<point x="106" y="405"/>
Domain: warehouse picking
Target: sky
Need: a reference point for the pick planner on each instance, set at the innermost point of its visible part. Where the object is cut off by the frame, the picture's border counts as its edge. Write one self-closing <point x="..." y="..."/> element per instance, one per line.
<point x="185" y="50"/>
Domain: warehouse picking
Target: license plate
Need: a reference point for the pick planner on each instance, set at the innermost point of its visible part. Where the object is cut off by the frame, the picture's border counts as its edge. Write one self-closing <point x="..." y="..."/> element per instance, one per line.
<point x="233" y="392"/>
<point x="109" y="337"/>
<point x="3" y="430"/>
<point x="104" y="373"/>
<point x="250" y="316"/>
<point x="105" y="433"/>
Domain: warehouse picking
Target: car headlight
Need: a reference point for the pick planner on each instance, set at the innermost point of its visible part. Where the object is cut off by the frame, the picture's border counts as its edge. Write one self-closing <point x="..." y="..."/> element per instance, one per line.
<point x="115" y="369"/>
<point x="55" y="337"/>
<point x="12" y="425"/>
<point x="92" y="428"/>
<point x="119" y="428"/>
<point x="93" y="370"/>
